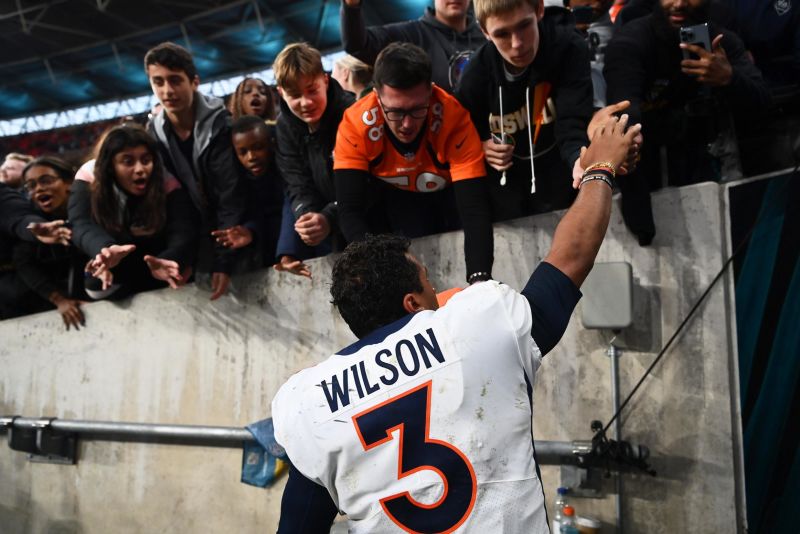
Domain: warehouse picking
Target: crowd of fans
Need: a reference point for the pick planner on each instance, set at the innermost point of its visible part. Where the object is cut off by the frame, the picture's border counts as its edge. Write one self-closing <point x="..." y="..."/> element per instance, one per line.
<point x="452" y="121"/>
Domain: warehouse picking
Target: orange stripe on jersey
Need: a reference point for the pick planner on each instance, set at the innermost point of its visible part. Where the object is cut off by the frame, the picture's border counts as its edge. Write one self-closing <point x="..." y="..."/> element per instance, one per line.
<point x="450" y="150"/>
<point x="444" y="297"/>
<point x="540" y="96"/>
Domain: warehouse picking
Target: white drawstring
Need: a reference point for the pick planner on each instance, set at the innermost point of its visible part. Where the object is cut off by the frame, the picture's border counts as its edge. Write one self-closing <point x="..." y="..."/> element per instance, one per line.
<point x="502" y="132"/>
<point x="530" y="135"/>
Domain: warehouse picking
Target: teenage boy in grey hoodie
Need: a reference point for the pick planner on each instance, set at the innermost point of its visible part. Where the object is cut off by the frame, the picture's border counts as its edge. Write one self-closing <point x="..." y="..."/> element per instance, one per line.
<point x="448" y="33"/>
<point x="193" y="131"/>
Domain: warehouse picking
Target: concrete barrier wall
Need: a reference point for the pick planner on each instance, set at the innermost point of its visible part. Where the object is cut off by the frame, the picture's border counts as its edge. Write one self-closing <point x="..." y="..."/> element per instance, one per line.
<point x="175" y="357"/>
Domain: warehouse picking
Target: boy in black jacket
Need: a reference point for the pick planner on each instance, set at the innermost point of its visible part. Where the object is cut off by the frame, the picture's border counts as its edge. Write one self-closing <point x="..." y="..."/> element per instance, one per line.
<point x="253" y="142"/>
<point x="531" y="57"/>
<point x="193" y="131"/>
<point x="312" y="105"/>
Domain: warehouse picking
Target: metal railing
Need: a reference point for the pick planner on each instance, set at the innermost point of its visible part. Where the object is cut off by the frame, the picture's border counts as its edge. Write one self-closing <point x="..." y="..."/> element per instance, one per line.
<point x="53" y="439"/>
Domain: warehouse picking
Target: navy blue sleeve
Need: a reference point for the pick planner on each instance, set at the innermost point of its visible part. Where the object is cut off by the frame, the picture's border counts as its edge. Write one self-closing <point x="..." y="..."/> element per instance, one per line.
<point x="552" y="297"/>
<point x="306" y="507"/>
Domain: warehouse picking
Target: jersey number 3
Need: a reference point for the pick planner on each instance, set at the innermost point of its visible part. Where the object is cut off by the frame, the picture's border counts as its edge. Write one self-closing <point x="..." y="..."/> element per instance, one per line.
<point x="410" y="414"/>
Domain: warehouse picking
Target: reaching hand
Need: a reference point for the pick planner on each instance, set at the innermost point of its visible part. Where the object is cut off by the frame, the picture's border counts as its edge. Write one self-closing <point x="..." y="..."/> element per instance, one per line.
<point x="219" y="284"/>
<point x="51" y="233"/>
<point x="312" y="228"/>
<point x="165" y="270"/>
<point x="600" y="118"/>
<point x="498" y="155"/>
<point x="292" y="265"/>
<point x="70" y="310"/>
<point x="610" y="143"/>
<point x="235" y="237"/>
<point x="106" y="277"/>
<point x="108" y="258"/>
<point x="711" y="68"/>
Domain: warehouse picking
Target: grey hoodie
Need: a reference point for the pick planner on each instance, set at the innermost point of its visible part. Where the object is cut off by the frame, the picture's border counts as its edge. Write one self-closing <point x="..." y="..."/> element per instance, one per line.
<point x="448" y="49"/>
<point x="211" y="178"/>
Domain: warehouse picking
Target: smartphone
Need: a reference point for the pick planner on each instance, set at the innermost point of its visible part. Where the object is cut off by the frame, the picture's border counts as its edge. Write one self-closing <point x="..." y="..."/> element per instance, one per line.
<point x="696" y="35"/>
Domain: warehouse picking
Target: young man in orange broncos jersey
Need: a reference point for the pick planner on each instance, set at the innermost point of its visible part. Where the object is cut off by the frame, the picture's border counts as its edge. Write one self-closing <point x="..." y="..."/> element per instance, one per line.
<point x="408" y="160"/>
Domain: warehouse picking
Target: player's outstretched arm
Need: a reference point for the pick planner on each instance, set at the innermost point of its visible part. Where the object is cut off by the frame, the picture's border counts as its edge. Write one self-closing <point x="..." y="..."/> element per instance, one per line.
<point x="581" y="231"/>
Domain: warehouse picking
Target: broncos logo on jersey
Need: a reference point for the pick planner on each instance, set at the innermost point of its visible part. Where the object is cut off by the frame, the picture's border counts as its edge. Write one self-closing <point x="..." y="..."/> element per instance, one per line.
<point x="450" y="150"/>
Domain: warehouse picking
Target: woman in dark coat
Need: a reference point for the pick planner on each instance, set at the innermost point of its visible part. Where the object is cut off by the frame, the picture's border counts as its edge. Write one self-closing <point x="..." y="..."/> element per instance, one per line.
<point x="132" y="219"/>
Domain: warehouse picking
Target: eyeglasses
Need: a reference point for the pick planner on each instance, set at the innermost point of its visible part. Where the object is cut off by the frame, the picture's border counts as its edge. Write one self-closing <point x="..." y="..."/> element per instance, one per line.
<point x="397" y="115"/>
<point x="43" y="181"/>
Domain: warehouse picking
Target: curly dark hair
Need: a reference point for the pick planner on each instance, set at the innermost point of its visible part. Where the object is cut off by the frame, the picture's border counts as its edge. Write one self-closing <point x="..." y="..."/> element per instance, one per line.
<point x="370" y="279"/>
<point x="151" y="211"/>
<point x="235" y="103"/>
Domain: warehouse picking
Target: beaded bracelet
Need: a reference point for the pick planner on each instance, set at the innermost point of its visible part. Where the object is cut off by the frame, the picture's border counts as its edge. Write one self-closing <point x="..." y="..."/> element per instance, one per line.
<point x="605" y="165"/>
<point x="478" y="277"/>
<point x="596" y="176"/>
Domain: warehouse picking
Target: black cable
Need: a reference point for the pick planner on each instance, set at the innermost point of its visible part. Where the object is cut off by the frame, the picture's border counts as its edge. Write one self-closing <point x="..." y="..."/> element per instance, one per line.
<point x="663" y="351"/>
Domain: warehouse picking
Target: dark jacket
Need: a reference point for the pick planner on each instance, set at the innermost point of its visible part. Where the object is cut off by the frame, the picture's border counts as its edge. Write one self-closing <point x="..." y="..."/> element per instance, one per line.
<point x="771" y="31"/>
<point x="643" y="65"/>
<point x="265" y="197"/>
<point x="211" y="179"/>
<point x="447" y="48"/>
<point x="305" y="159"/>
<point x="16" y="213"/>
<point x="562" y="61"/>
<point x="46" y="269"/>
<point x="177" y="241"/>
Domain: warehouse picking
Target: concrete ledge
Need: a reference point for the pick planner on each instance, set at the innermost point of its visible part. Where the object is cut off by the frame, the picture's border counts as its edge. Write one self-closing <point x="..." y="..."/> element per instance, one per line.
<point x="175" y="357"/>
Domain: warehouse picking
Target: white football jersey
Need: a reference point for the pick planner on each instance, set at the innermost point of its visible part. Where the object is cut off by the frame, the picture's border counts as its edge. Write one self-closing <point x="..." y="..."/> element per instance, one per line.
<point x="425" y="425"/>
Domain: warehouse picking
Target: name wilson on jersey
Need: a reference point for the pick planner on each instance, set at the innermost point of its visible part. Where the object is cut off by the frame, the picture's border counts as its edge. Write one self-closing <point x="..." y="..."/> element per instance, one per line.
<point x="409" y="358"/>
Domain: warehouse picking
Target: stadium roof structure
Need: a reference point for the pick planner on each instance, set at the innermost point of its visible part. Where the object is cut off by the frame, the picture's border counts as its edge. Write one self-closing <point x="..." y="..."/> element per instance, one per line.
<point x="59" y="56"/>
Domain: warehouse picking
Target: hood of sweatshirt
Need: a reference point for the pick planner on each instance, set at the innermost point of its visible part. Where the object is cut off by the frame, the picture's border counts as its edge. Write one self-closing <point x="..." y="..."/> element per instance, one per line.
<point x="472" y="31"/>
<point x="209" y="114"/>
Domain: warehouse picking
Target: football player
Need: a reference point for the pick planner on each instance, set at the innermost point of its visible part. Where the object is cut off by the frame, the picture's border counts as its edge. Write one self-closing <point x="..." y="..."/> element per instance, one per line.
<point x="424" y="424"/>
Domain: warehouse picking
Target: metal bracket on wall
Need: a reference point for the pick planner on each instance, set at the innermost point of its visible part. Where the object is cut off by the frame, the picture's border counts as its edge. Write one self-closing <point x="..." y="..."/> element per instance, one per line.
<point x="42" y="443"/>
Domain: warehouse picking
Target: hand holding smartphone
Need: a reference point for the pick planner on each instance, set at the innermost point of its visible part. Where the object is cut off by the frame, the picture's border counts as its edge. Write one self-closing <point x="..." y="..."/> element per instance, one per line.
<point x="695" y="35"/>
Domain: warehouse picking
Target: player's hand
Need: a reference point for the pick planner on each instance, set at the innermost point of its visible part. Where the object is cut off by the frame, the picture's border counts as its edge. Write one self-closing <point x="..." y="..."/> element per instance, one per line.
<point x="235" y="237"/>
<point x="70" y="310"/>
<point x="610" y="143"/>
<point x="602" y="115"/>
<point x="312" y="228"/>
<point x="599" y="118"/>
<point x="51" y="233"/>
<point x="292" y="265"/>
<point x="165" y="270"/>
<point x="634" y="155"/>
<point x="498" y="155"/>
<point x="711" y="68"/>
<point x="219" y="284"/>
<point x="352" y="3"/>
